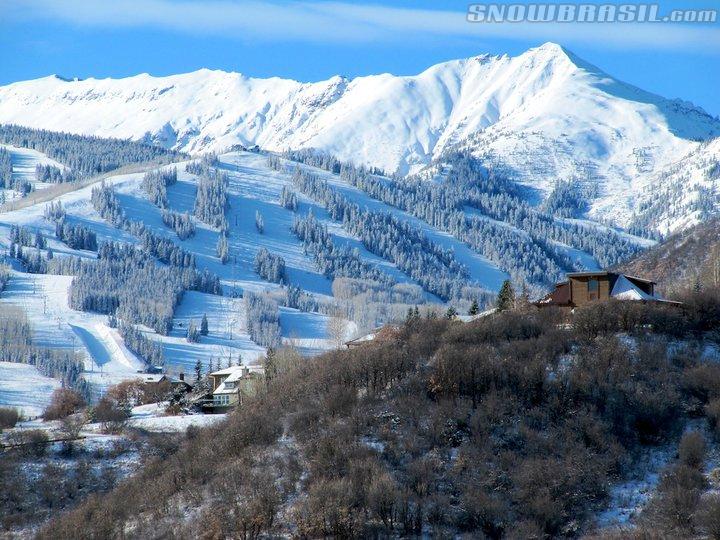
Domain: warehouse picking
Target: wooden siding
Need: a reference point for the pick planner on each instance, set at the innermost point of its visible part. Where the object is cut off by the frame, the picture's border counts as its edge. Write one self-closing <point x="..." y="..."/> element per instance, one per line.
<point x="579" y="294"/>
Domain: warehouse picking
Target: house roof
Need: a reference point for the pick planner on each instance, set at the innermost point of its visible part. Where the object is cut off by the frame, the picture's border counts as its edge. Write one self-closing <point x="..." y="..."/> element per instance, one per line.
<point x="624" y="289"/>
<point x="227" y="371"/>
<point x="560" y="296"/>
<point x="152" y="377"/>
<point x="364" y="337"/>
<point x="600" y="273"/>
<point x="234" y="374"/>
<point x="597" y="273"/>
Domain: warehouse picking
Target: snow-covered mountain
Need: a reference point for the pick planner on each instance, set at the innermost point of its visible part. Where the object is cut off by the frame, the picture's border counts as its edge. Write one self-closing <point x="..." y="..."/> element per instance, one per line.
<point x="540" y="117"/>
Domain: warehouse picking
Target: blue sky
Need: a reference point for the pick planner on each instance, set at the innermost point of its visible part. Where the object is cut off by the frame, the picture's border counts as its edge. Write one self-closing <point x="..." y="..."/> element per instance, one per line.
<point x="308" y="41"/>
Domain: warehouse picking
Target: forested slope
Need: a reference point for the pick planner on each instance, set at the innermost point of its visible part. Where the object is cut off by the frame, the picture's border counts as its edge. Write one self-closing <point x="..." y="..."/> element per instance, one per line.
<point x="689" y="258"/>
<point x="512" y="426"/>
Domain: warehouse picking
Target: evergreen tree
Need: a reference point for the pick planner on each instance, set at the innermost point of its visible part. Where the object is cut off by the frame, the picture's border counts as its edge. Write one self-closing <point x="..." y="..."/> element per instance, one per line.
<point x="204" y="325"/>
<point x="474" y="308"/>
<point x="198" y="370"/>
<point x="413" y="315"/>
<point x="193" y="334"/>
<point x="259" y="222"/>
<point x="451" y="313"/>
<point x="506" y="296"/>
<point x="39" y="240"/>
<point x="222" y="249"/>
<point x="270" y="266"/>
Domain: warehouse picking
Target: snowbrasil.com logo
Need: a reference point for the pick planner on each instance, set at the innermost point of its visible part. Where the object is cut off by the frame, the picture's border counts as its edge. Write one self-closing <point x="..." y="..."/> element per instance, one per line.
<point x="590" y="13"/>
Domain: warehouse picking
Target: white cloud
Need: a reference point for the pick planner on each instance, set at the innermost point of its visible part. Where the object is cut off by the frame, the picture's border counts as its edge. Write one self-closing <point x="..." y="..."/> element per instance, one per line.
<point x="345" y="22"/>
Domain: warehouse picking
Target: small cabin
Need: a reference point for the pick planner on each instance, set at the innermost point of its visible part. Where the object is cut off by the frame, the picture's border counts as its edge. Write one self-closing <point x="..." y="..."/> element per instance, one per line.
<point x="584" y="287"/>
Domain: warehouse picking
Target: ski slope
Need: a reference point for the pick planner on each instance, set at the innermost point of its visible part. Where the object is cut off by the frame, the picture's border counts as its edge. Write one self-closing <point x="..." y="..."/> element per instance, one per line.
<point x="481" y="269"/>
<point x="252" y="187"/>
<point x="24" y="387"/>
<point x="44" y="298"/>
<point x="24" y="161"/>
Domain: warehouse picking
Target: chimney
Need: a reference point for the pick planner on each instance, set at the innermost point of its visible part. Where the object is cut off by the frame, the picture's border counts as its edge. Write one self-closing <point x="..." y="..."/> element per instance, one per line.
<point x="182" y="376"/>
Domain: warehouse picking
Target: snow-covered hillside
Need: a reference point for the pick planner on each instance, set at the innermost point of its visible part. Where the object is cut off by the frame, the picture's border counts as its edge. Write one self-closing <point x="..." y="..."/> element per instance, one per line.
<point x="253" y="187"/>
<point x="540" y="117"/>
<point x="24" y="161"/>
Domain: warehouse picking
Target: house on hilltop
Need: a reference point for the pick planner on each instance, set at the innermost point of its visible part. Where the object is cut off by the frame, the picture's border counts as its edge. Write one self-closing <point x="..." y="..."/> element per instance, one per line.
<point x="231" y="385"/>
<point x="584" y="287"/>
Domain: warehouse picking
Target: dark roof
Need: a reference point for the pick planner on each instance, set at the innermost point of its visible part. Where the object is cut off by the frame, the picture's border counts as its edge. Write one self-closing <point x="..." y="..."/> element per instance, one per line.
<point x="600" y="273"/>
<point x="635" y="278"/>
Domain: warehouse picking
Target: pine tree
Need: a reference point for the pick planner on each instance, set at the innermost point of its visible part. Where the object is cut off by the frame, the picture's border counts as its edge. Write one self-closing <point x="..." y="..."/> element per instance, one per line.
<point x="198" y="370"/>
<point x="259" y="222"/>
<point x="474" y="308"/>
<point x="451" y="313"/>
<point x="522" y="303"/>
<point x="222" y="249"/>
<point x="193" y="334"/>
<point x="204" y="325"/>
<point x="39" y="240"/>
<point x="269" y="365"/>
<point x="506" y="296"/>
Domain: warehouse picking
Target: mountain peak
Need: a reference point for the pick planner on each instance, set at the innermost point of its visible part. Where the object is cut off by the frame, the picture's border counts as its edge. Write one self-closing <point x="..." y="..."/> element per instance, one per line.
<point x="572" y="111"/>
<point x="554" y="52"/>
<point x="551" y="47"/>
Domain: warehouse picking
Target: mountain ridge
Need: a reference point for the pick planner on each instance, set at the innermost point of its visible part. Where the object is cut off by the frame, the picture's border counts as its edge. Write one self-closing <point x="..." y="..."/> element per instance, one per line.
<point x="542" y="117"/>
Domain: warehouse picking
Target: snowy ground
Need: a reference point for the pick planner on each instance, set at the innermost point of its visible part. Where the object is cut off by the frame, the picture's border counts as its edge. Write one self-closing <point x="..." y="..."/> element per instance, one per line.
<point x="24" y="387"/>
<point x="24" y="161"/>
<point x="481" y="269"/>
<point x="44" y="298"/>
<point x="628" y="498"/>
<point x="152" y="417"/>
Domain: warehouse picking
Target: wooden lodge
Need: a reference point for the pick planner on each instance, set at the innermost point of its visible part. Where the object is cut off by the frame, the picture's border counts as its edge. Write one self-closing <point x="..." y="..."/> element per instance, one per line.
<point x="584" y="287"/>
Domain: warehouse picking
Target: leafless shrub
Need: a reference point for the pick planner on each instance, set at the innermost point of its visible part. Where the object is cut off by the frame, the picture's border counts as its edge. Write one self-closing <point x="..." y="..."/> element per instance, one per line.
<point x="9" y="416"/>
<point x="64" y="402"/>
<point x="707" y="517"/>
<point x="692" y="449"/>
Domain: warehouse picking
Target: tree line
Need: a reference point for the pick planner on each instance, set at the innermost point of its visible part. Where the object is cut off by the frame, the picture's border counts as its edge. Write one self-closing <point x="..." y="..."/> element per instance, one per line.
<point x="524" y="250"/>
<point x="7" y="181"/>
<point x="262" y="317"/>
<point x="16" y="345"/>
<point x="211" y="199"/>
<point x="270" y="266"/>
<point x="155" y="184"/>
<point x="332" y="260"/>
<point x="382" y="233"/>
<point x="85" y="155"/>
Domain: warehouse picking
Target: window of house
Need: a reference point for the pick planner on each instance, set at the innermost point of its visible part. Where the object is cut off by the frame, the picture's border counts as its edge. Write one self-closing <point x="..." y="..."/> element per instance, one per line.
<point x="593" y="289"/>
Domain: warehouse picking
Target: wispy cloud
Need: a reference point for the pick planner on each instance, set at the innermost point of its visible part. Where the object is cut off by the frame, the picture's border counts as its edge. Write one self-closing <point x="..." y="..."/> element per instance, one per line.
<point x="341" y="22"/>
